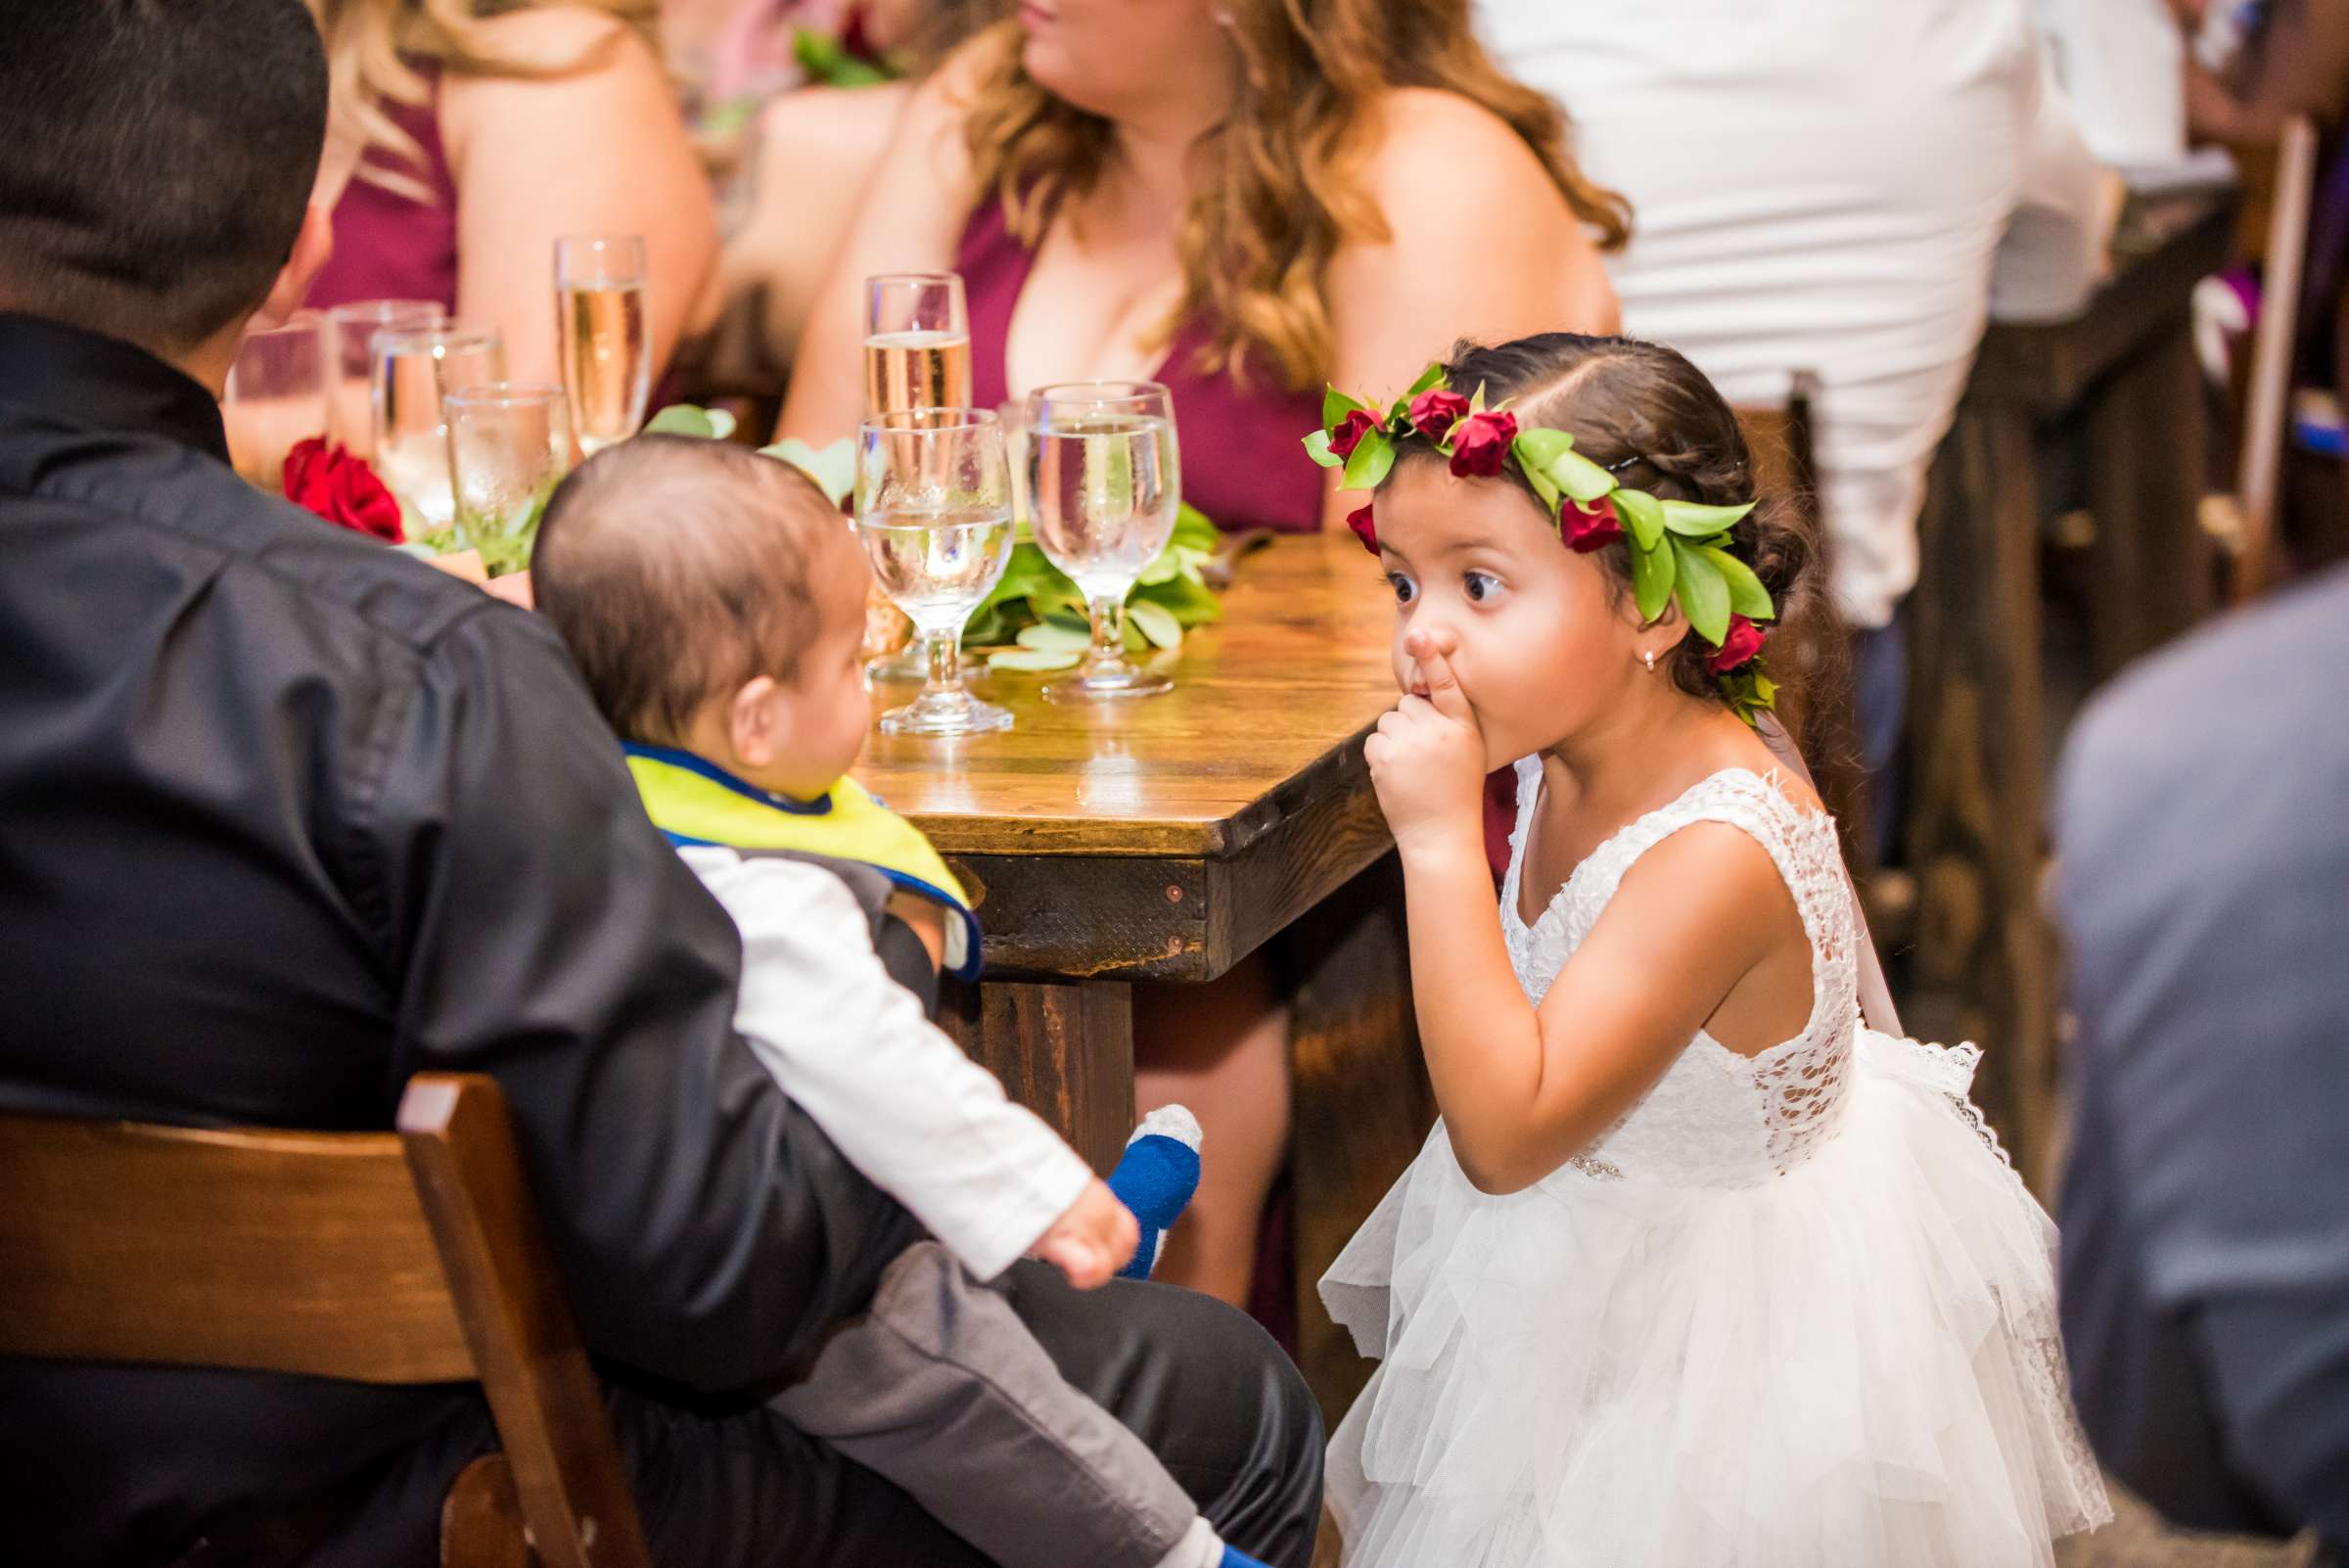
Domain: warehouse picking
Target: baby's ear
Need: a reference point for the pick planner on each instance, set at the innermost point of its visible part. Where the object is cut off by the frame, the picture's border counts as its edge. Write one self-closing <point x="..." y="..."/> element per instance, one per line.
<point x="751" y="722"/>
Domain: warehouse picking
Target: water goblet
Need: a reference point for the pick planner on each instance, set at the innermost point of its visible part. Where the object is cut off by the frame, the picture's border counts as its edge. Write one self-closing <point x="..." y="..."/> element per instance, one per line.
<point x="275" y="395"/>
<point x="934" y="514"/>
<point x="509" y="444"/>
<point x="349" y="351"/>
<point x="412" y="372"/>
<point x="1104" y="485"/>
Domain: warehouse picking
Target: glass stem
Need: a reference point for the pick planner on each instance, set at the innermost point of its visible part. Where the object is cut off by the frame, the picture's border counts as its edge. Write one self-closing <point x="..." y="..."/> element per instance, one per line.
<point x="1109" y="631"/>
<point x="945" y="659"/>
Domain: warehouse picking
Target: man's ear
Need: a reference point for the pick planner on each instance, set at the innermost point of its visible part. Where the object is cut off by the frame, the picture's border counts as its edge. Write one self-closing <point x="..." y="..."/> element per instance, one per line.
<point x="311" y="248"/>
<point x="751" y="722"/>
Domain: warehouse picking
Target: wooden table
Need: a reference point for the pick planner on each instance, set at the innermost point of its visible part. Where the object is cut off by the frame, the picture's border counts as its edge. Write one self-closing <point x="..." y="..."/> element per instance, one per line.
<point x="2121" y="380"/>
<point x="1167" y="839"/>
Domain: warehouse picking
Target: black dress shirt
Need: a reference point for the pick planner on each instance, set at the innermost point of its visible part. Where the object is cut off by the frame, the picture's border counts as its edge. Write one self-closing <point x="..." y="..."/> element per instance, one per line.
<point x="285" y="817"/>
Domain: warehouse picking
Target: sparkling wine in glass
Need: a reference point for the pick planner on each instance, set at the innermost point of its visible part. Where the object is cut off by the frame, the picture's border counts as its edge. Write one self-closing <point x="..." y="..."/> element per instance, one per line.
<point x="413" y="370"/>
<point x="607" y="353"/>
<point x="917" y="354"/>
<point x="275" y="395"/>
<point x="1104" y="485"/>
<point x="934" y="514"/>
<point x="509" y="444"/>
<point x="350" y="349"/>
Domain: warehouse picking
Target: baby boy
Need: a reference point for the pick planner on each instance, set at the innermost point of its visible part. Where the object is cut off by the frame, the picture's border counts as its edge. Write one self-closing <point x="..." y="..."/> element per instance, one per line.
<point x="713" y="600"/>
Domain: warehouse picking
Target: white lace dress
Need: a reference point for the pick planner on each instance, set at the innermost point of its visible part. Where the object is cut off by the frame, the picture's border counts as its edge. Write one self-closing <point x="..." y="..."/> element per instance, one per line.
<point x="1794" y="1309"/>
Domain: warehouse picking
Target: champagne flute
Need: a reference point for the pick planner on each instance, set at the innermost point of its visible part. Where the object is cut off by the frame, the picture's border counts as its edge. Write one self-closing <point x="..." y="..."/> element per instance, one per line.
<point x="917" y="354"/>
<point x="934" y="514"/>
<point x="607" y="354"/>
<point x="349" y="350"/>
<point x="1104" y="485"/>
<point x="275" y="396"/>
<point x="917" y="342"/>
<point x="509" y="444"/>
<point x="412" y="372"/>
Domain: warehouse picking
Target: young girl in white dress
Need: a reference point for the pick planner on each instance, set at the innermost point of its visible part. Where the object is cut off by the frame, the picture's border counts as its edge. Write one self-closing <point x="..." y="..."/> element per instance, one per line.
<point x="1697" y="1270"/>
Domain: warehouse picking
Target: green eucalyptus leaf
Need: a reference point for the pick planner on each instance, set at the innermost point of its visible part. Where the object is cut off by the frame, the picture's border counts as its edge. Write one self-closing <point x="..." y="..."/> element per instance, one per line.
<point x="1579" y="477"/>
<point x="1747" y="596"/>
<point x="833" y="467"/>
<point x="1170" y="564"/>
<point x="1432" y="376"/>
<point x="1651" y="578"/>
<point x="1034" y="659"/>
<point x="1539" y="447"/>
<point x="1690" y="521"/>
<point x="1642" y="515"/>
<point x="1317" y="448"/>
<point x="683" y="419"/>
<point x="1157" y="622"/>
<point x="1054" y="635"/>
<point x="1190" y="601"/>
<point x="1703" y="594"/>
<point x="1368" y="465"/>
<point x="1193" y="531"/>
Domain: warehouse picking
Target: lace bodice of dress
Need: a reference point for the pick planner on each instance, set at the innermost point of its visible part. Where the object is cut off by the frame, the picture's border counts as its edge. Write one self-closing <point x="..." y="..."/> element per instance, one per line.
<point x="1716" y="1117"/>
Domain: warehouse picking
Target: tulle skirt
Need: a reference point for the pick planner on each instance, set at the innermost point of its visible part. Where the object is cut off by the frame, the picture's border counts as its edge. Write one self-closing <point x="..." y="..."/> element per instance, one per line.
<point x="1852" y="1363"/>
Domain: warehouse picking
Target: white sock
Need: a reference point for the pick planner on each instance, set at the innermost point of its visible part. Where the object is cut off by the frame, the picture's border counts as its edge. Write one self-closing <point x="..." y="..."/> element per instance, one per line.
<point x="1199" y="1548"/>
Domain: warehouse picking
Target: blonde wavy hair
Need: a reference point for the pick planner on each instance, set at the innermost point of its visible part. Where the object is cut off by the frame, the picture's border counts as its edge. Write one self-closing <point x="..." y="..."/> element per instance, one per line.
<point x="375" y="47"/>
<point x="1286" y="189"/>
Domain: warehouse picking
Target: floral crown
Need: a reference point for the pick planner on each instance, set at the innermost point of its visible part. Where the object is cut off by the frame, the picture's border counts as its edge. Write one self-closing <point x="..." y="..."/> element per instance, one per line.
<point x="1679" y="550"/>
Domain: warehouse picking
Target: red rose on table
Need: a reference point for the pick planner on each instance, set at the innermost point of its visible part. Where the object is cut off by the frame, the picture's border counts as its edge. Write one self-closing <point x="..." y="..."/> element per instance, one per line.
<point x="1481" y="443"/>
<point x="342" y="488"/>
<point x="1364" y="530"/>
<point x="1738" y="647"/>
<point x="1586" y="528"/>
<point x="1435" y="412"/>
<point x="1348" y="434"/>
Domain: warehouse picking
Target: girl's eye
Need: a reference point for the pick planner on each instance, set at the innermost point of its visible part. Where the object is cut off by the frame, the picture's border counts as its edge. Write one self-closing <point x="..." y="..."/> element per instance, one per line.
<point x="1480" y="586"/>
<point x="1406" y="590"/>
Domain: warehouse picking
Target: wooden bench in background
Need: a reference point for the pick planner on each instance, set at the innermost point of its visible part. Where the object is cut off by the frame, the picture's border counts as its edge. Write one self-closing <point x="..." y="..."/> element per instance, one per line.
<point x="412" y="1256"/>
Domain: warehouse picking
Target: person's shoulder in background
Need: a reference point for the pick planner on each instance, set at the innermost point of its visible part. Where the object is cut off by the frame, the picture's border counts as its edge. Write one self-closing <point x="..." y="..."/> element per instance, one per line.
<point x="2237" y="700"/>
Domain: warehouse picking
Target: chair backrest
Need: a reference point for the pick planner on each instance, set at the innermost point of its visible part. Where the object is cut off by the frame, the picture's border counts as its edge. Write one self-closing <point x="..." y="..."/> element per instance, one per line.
<point x="376" y="1258"/>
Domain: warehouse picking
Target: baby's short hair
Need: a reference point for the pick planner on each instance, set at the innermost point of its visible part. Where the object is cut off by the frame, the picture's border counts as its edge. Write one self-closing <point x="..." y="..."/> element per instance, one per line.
<point x="676" y="569"/>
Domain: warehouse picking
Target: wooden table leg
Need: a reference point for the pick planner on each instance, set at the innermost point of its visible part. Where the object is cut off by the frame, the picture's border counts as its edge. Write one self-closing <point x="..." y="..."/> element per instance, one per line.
<point x="1063" y="1048"/>
<point x="1363" y="1101"/>
<point x="1984" y="962"/>
<point x="2155" y="566"/>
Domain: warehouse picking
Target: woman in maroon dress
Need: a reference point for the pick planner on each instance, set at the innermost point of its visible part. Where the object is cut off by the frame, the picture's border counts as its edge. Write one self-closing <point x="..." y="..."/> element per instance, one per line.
<point x="1204" y="192"/>
<point x="479" y="140"/>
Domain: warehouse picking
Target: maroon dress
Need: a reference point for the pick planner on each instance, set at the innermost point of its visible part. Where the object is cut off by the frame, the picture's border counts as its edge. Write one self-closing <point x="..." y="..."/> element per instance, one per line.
<point x="393" y="247"/>
<point x="1242" y="461"/>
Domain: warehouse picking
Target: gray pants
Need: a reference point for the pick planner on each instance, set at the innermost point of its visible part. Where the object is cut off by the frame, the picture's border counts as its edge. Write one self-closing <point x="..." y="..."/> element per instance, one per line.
<point x="940" y="1389"/>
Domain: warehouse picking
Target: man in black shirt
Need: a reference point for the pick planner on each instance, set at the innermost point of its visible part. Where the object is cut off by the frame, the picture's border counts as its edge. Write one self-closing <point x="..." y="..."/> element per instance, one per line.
<point x="285" y="817"/>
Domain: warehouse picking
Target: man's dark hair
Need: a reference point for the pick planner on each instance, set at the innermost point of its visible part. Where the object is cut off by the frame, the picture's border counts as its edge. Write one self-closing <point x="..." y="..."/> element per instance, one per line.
<point x="677" y="569"/>
<point x="155" y="157"/>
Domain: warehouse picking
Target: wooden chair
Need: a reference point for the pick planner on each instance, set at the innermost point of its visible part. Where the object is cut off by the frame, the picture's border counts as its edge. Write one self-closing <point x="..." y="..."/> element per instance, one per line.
<point x="375" y="1258"/>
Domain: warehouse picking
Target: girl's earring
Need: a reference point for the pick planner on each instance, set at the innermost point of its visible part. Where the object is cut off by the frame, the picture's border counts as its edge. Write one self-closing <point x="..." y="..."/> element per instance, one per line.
<point x="1650" y="658"/>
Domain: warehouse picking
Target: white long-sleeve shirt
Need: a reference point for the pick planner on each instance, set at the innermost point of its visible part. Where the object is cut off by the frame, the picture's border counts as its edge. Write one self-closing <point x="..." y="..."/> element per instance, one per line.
<point x="1820" y="185"/>
<point x="922" y="1120"/>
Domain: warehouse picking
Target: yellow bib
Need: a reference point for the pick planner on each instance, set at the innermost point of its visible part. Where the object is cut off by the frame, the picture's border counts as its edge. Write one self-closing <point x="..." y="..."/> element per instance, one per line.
<point x="694" y="802"/>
